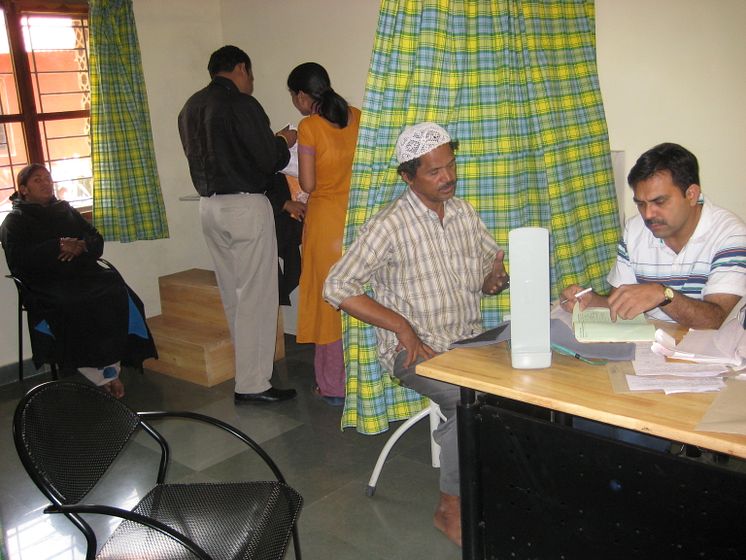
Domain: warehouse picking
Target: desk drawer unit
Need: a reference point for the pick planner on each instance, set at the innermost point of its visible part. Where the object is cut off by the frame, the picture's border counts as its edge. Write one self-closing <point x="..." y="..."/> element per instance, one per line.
<point x="549" y="491"/>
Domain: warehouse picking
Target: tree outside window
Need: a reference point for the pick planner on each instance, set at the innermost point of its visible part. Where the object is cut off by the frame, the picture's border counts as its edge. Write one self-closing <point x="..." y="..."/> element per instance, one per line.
<point x="45" y="97"/>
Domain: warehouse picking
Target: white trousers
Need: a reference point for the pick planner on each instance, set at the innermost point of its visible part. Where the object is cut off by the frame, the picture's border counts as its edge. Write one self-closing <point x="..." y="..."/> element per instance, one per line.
<point x="240" y="233"/>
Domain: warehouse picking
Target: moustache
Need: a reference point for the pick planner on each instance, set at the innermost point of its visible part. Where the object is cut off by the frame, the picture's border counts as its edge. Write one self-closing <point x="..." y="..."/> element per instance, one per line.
<point x="449" y="185"/>
<point x="655" y="222"/>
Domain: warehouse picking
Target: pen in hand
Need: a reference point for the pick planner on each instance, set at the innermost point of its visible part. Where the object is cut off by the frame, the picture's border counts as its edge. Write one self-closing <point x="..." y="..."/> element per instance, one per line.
<point x="580" y="294"/>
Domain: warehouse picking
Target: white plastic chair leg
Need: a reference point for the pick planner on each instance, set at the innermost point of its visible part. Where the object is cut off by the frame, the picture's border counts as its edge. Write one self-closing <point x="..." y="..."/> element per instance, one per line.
<point x="370" y="490"/>
<point x="436" y="417"/>
<point x="433" y="412"/>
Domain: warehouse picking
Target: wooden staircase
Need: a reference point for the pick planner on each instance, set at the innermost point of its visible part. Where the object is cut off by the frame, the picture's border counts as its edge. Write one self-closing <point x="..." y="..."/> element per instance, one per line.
<point x="191" y="334"/>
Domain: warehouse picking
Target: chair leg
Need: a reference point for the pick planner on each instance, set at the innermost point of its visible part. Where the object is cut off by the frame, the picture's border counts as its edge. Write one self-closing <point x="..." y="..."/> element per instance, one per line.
<point x="20" y="340"/>
<point x="436" y="417"/>
<point x="371" y="489"/>
<point x="296" y="542"/>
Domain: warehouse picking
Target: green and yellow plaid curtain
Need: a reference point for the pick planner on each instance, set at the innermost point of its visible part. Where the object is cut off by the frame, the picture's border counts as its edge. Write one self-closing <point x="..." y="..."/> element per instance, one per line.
<point x="127" y="200"/>
<point x="515" y="83"/>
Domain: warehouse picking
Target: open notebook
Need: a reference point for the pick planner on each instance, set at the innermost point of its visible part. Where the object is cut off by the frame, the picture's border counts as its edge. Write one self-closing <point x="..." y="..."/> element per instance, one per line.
<point x="594" y="324"/>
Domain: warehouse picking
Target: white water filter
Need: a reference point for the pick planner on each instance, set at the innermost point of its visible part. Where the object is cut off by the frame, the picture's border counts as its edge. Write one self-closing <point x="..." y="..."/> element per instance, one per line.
<point x="529" y="298"/>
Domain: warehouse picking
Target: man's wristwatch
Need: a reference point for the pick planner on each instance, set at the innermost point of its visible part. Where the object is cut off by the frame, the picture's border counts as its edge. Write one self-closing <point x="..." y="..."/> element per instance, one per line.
<point x="668" y="295"/>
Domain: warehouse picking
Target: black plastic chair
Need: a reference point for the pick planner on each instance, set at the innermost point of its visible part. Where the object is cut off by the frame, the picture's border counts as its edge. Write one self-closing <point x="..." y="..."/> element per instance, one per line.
<point x="21" y="308"/>
<point x="21" y="288"/>
<point x="68" y="435"/>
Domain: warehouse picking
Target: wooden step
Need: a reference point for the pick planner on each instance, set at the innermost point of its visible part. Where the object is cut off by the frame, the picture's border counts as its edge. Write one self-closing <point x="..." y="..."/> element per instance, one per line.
<point x="192" y="295"/>
<point x="189" y="351"/>
<point x="192" y="335"/>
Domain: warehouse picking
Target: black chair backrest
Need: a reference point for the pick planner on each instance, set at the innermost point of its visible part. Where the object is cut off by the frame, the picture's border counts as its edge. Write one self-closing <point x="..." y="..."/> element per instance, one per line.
<point x="68" y="434"/>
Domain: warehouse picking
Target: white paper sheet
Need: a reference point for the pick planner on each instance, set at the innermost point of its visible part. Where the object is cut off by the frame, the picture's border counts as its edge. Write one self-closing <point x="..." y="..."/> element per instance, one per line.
<point x="726" y="345"/>
<point x="727" y="413"/>
<point x="292" y="167"/>
<point x="671" y="385"/>
<point x="648" y="362"/>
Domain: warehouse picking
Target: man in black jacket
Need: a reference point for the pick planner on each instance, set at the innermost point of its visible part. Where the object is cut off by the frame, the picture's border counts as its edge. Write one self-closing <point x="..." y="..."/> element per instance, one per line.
<point x="233" y="154"/>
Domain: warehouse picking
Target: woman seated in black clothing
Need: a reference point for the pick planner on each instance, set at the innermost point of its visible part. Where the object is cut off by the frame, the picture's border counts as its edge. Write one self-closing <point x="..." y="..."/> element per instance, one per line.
<point x="80" y="314"/>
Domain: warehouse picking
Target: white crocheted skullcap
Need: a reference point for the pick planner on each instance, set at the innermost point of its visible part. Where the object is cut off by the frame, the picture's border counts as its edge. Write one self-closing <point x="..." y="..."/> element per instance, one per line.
<point x="419" y="139"/>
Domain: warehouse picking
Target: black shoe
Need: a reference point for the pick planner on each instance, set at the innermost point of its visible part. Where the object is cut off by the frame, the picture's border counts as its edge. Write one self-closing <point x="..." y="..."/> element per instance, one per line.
<point x="269" y="396"/>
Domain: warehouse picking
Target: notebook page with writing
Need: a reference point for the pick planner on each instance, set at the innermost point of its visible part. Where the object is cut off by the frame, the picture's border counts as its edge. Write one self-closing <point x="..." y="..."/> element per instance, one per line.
<point x="594" y="324"/>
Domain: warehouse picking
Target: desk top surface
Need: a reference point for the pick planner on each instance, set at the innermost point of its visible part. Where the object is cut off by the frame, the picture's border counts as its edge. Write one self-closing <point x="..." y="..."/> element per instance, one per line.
<point x="577" y="388"/>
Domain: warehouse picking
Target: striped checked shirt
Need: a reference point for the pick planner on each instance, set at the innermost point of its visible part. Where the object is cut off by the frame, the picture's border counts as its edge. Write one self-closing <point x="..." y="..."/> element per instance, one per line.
<point x="428" y="272"/>
<point x="712" y="262"/>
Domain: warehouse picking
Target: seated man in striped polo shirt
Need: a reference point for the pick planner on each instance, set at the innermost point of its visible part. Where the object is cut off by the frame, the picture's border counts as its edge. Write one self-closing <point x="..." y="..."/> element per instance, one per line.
<point x="682" y="258"/>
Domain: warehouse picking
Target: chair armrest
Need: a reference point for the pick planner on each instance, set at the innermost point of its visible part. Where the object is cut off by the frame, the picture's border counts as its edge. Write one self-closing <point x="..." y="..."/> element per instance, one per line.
<point x="20" y="288"/>
<point x="224" y="426"/>
<point x="18" y="282"/>
<point x="135" y="518"/>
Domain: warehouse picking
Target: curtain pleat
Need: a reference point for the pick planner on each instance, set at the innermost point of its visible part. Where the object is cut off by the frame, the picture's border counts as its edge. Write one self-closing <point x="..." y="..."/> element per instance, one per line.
<point x="515" y="83"/>
<point x="127" y="200"/>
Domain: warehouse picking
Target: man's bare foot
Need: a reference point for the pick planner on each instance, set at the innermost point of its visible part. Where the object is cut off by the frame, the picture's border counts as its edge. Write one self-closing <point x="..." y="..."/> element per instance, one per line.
<point x="448" y="517"/>
<point x="115" y="387"/>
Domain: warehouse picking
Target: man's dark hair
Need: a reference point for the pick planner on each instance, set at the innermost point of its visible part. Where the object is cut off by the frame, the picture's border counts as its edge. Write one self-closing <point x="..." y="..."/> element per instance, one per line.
<point x="225" y="59"/>
<point x="680" y="162"/>
<point x="410" y="167"/>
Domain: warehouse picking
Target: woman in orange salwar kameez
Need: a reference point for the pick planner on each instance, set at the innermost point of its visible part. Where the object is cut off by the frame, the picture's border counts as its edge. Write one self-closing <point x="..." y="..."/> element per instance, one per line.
<point x="326" y="144"/>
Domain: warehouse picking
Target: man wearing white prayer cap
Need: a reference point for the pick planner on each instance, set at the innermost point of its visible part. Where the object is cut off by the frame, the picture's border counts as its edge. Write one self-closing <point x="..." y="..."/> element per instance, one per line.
<point x="429" y="259"/>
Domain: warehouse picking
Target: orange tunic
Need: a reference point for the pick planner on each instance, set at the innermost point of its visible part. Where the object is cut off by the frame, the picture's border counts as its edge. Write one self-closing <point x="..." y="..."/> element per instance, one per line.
<point x="319" y="322"/>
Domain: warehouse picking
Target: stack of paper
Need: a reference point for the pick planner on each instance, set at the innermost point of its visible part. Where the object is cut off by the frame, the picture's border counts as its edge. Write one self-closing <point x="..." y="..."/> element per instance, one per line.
<point x="700" y="362"/>
<point x="654" y="373"/>
<point x="704" y="347"/>
<point x="673" y="385"/>
<point x="648" y="363"/>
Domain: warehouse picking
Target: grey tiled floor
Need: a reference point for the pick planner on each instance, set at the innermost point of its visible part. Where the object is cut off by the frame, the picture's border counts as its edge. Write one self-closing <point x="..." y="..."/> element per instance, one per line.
<point x="329" y="467"/>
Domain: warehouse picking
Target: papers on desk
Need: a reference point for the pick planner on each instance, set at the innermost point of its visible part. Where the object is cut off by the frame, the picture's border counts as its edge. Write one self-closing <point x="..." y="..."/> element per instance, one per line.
<point x="594" y="324"/>
<point x="497" y="334"/>
<point x="697" y="364"/>
<point x="672" y="385"/>
<point x="654" y="373"/>
<point x="563" y="341"/>
<point x="726" y="345"/>
<point x="727" y="413"/>
<point x="648" y="363"/>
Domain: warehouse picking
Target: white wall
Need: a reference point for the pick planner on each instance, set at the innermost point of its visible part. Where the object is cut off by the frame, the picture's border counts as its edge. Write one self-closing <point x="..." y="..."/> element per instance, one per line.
<point x="338" y="34"/>
<point x="669" y="70"/>
<point x="675" y="70"/>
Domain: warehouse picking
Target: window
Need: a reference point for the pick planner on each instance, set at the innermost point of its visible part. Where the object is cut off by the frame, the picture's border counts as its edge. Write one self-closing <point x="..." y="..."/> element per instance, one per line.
<point x="45" y="96"/>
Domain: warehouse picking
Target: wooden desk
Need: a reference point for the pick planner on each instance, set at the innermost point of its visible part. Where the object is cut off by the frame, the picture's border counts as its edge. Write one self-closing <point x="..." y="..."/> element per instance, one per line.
<point x="573" y="387"/>
<point x="581" y="389"/>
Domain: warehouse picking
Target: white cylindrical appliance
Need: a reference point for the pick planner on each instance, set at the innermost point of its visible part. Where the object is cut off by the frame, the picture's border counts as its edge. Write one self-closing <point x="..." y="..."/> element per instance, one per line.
<point x="529" y="298"/>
